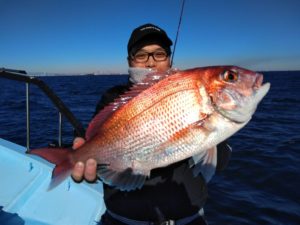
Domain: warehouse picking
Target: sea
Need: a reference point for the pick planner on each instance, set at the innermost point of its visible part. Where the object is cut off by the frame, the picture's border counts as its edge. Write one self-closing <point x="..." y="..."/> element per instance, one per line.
<point x="261" y="184"/>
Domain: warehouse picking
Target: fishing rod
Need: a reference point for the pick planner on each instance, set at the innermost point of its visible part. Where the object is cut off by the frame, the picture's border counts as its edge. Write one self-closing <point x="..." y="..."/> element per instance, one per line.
<point x="177" y="33"/>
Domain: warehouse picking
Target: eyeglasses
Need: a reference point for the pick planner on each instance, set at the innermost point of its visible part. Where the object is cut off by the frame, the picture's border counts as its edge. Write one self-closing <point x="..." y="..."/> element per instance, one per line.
<point x="142" y="57"/>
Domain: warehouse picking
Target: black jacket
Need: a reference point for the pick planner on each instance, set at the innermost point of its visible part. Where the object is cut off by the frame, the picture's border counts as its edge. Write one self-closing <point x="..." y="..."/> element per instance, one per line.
<point x="170" y="192"/>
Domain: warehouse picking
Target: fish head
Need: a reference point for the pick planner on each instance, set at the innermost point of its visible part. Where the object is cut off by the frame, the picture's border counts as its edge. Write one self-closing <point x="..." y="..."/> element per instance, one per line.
<point x="235" y="92"/>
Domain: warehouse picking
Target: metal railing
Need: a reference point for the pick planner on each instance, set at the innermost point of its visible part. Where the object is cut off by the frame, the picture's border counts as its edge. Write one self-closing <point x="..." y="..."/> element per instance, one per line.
<point x="20" y="75"/>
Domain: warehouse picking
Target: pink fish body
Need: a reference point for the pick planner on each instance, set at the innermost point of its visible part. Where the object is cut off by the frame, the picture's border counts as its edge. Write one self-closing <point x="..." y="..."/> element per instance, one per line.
<point x="167" y="118"/>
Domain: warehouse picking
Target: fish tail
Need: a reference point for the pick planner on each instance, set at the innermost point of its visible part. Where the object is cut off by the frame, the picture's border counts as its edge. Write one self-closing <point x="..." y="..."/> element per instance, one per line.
<point x="61" y="157"/>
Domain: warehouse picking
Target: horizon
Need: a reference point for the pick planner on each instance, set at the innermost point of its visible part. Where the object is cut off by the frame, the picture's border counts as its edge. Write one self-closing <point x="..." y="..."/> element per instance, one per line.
<point x="42" y="74"/>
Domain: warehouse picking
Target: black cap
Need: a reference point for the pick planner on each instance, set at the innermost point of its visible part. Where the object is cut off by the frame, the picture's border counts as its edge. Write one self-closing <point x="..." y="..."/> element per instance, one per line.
<point x="148" y="34"/>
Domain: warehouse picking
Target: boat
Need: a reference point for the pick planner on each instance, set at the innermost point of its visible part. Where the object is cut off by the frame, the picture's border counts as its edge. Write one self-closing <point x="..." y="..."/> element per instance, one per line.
<point x="24" y="195"/>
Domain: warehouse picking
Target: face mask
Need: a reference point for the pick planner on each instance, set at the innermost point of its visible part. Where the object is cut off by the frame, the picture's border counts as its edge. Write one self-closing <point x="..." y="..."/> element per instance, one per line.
<point x="137" y="75"/>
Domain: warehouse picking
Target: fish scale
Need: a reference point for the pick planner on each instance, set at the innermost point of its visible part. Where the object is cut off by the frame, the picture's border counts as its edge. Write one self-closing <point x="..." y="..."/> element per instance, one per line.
<point x="162" y="124"/>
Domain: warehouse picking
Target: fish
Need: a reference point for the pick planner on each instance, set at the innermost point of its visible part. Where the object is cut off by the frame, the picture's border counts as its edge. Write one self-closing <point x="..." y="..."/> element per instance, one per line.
<point x="166" y="118"/>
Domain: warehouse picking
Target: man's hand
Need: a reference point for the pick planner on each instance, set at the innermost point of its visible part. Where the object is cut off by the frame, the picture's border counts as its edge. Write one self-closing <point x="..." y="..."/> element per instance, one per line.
<point x="85" y="171"/>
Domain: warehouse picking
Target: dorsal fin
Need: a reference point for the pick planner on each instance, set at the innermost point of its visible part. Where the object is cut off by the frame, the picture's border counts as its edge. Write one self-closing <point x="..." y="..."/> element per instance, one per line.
<point x="150" y="79"/>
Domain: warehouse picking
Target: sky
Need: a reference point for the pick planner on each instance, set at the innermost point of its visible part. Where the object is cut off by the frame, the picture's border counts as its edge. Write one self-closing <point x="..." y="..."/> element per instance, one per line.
<point x="90" y="36"/>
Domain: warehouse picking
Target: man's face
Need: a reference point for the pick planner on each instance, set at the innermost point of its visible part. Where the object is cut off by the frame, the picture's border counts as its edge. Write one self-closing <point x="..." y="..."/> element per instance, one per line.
<point x="152" y="57"/>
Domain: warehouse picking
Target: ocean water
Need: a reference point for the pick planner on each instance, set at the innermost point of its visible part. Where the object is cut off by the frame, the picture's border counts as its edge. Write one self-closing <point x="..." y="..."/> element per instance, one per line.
<point x="261" y="184"/>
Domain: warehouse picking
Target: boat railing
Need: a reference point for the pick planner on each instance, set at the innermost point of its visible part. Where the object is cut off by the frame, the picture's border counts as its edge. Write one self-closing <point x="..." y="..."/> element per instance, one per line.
<point x="22" y="76"/>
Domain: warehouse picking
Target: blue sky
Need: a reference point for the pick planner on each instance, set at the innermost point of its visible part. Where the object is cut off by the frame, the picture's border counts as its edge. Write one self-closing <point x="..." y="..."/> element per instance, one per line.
<point x="84" y="36"/>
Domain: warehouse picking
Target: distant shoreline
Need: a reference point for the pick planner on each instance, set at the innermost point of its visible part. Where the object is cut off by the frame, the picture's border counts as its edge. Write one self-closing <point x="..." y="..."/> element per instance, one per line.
<point x="124" y="74"/>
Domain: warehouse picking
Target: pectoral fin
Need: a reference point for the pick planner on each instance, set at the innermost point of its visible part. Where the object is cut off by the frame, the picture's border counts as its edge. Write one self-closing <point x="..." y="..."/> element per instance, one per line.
<point x="205" y="163"/>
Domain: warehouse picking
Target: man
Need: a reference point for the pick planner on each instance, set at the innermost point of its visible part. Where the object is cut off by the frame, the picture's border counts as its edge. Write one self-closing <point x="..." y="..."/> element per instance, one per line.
<point x="171" y="194"/>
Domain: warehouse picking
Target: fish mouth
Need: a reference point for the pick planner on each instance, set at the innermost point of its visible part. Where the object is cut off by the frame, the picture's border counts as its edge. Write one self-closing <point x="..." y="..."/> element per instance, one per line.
<point x="246" y="108"/>
<point x="258" y="81"/>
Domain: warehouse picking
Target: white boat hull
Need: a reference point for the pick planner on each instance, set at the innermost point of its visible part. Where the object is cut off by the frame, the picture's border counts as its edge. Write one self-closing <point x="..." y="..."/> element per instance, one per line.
<point x="24" y="182"/>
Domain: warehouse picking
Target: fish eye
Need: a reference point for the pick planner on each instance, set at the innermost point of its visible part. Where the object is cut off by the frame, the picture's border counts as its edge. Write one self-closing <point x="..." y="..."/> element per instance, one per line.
<point x="230" y="76"/>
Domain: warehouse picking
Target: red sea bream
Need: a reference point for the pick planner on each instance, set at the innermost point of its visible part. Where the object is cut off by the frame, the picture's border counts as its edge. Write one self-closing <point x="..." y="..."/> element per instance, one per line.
<point x="162" y="120"/>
